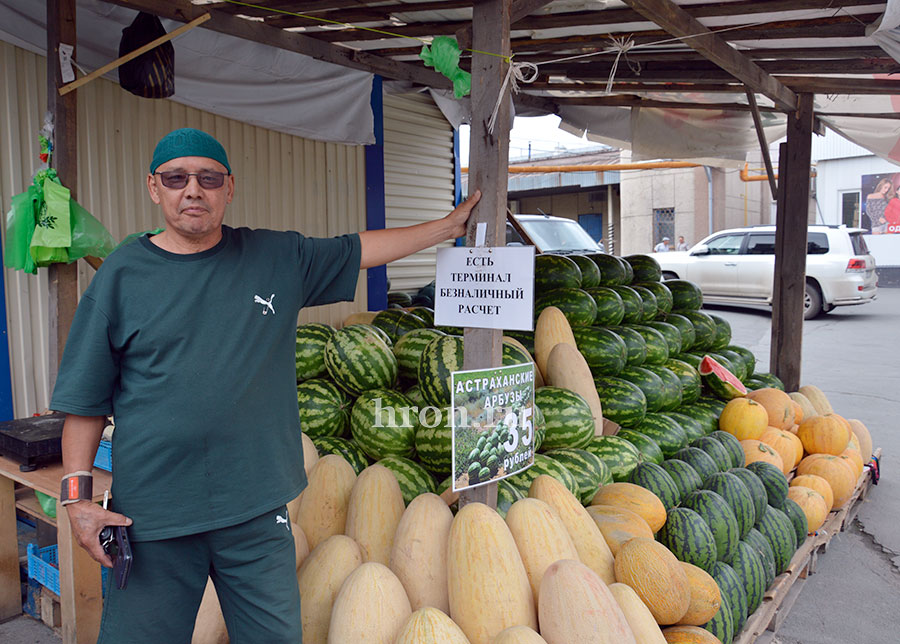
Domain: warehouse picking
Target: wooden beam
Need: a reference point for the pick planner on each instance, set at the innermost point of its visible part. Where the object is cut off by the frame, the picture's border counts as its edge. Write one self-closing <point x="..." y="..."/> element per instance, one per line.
<point x="763" y="143"/>
<point x="682" y="55"/>
<point x="184" y="11"/>
<point x="355" y="14"/>
<point x="519" y="10"/>
<point x="10" y="586"/>
<point x="630" y="100"/>
<point x="489" y="154"/>
<point x="791" y="224"/>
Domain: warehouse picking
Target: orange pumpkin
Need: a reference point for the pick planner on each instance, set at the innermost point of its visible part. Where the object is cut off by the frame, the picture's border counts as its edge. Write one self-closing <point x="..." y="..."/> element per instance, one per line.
<point x="744" y="419"/>
<point x="852" y="457"/>
<point x="817" y="483"/>
<point x="838" y="472"/>
<point x="824" y="434"/>
<point x="778" y="404"/>
<point x="786" y="444"/>
<point x="759" y="451"/>
<point x="865" y="439"/>
<point x="812" y="503"/>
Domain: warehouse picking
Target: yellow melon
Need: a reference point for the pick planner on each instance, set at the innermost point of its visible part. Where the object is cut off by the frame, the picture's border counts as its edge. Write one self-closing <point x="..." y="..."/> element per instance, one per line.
<point x="633" y="497"/>
<point x="839" y="474"/>
<point x="778" y="405"/>
<point x="786" y="444"/>
<point x="689" y="635"/>
<point x="551" y="328"/>
<point x="812" y="503"/>
<point x="320" y="578"/>
<point x="429" y="625"/>
<point x="301" y="545"/>
<point x="657" y="577"/>
<point x="567" y="368"/>
<point x="373" y="512"/>
<point x="744" y="419"/>
<point x="323" y="506"/>
<point x="864" y="437"/>
<point x="817" y="483"/>
<point x="705" y="596"/>
<point x="758" y="451"/>
<point x="370" y="607"/>
<point x="618" y="525"/>
<point x="519" y="635"/>
<point x="817" y="398"/>
<point x="640" y="619"/>
<point x="825" y="434"/>
<point x="538" y="378"/>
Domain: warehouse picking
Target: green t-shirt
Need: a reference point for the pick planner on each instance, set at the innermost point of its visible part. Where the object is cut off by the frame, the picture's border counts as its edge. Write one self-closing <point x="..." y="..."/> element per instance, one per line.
<point x="194" y="356"/>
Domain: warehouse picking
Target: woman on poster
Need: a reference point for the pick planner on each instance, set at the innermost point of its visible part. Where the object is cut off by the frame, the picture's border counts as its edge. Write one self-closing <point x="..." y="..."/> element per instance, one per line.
<point x="876" y="204"/>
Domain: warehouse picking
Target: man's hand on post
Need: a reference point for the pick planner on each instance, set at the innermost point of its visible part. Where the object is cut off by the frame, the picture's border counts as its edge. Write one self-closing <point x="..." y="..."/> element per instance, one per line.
<point x="87" y="520"/>
<point x="459" y="216"/>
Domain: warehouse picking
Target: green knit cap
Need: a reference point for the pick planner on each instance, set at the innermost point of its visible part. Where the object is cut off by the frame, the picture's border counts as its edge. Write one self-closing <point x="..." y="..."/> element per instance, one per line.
<point x="188" y="142"/>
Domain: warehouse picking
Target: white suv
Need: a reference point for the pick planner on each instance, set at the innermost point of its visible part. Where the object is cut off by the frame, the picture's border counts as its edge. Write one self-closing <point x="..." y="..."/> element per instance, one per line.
<point x="738" y="266"/>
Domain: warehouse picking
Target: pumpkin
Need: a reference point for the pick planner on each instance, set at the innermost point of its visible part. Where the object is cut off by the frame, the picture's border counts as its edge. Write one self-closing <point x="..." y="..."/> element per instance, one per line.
<point x="839" y="474"/>
<point x="812" y="503"/>
<point x="817" y="483"/>
<point x="778" y="405"/>
<point x="429" y="625"/>
<point x="567" y="368"/>
<point x="551" y="328"/>
<point x="689" y="635"/>
<point x="618" y="525"/>
<point x="657" y="577"/>
<point x="744" y="419"/>
<point x="373" y="512"/>
<point x="786" y="444"/>
<point x="852" y="454"/>
<point x="633" y="497"/>
<point x="323" y="506"/>
<point x="356" y="618"/>
<point x="865" y="439"/>
<point x="759" y="451"/>
<point x="640" y="619"/>
<point x="320" y="578"/>
<point x="706" y="598"/>
<point x="825" y="434"/>
<point x="519" y="635"/>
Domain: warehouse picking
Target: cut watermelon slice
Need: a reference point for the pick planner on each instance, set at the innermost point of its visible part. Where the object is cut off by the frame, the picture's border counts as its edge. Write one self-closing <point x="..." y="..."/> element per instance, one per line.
<point x="720" y="381"/>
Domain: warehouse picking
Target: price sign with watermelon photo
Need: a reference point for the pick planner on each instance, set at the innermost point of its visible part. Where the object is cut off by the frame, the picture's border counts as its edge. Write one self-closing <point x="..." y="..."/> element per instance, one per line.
<point x="493" y="430"/>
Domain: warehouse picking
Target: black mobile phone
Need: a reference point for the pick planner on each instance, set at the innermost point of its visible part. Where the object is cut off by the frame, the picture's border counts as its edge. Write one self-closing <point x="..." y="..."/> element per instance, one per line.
<point x="114" y="540"/>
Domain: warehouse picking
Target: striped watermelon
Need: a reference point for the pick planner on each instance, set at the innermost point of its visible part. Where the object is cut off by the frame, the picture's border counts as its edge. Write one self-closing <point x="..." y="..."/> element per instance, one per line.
<point x="738" y="497"/>
<point x="411" y="476"/>
<point x="654" y="478"/>
<point x="657" y="347"/>
<point x="612" y="270"/>
<point x="513" y="354"/>
<point x="716" y="450"/>
<point x="398" y="298"/>
<point x="540" y="427"/>
<point x="374" y="329"/>
<point x="648" y="382"/>
<point x="349" y="450"/>
<point x="747" y="565"/>
<point x="635" y="345"/>
<point x="610" y="307"/>
<point x="662" y="293"/>
<point x="634" y="305"/>
<point x="747" y="355"/>
<point x="525" y="337"/>
<point x="689" y="538"/>
<point x="359" y="360"/>
<point x="719" y="380"/>
<point x="766" y="555"/>
<point x="715" y="405"/>
<point x="720" y="518"/>
<point x="644" y="268"/>
<point x="686" y="296"/>
<point x="704" y="329"/>
<point x="619" y="455"/>
<point x="555" y="271"/>
<point x="736" y="360"/>
<point x="671" y="333"/>
<point x="732" y="586"/>
<point x="590" y="273"/>
<point x="665" y="431"/>
<point x="769" y="380"/>
<point x="603" y="350"/>
<point x="324" y="408"/>
<point x="397" y="322"/>
<point x="779" y="532"/>
<point x="567" y="417"/>
<point x="543" y="464"/>
<point x="649" y="307"/>
<point x="722" y="337"/>
<point x="623" y="402"/>
<point x="383" y="422"/>
<point x="691" y="426"/>
<point x="671" y="391"/>
<point x="507" y="494"/>
<point x="629" y="271"/>
<point x="709" y="420"/>
<point x="689" y="377"/>
<point x="685" y="326"/>
<point x="424" y="313"/>
<point x="433" y="441"/>
<point x="577" y="305"/>
<point x="686" y="478"/>
<point x="310" y="351"/>
<point x="722" y="625"/>
<point x="440" y="358"/>
<point x="415" y="396"/>
<point x="774" y="481"/>
<point x="699" y="460"/>
<point x="589" y="470"/>
<point x="755" y="487"/>
<point x="725" y="362"/>
<point x="648" y="447"/>
<point x="798" y="520"/>
<point x="732" y="445"/>
<point x="408" y="350"/>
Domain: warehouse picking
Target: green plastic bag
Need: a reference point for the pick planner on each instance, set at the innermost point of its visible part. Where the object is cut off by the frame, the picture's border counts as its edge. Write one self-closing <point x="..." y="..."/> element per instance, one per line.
<point x="19" y="230"/>
<point x="53" y="229"/>
<point x="443" y="56"/>
<point x="48" y="504"/>
<point x="89" y="237"/>
<point x="130" y="238"/>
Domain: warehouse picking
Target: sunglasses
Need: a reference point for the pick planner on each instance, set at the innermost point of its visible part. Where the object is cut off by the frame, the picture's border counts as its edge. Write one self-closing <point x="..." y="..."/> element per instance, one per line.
<point x="209" y="179"/>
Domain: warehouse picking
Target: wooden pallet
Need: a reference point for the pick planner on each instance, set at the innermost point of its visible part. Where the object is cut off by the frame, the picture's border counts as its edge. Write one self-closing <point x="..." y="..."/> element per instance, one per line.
<point x="762" y="625"/>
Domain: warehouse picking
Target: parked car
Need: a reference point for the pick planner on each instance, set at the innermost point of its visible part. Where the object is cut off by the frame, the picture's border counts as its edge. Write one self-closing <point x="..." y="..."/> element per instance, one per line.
<point x="738" y="267"/>
<point x="549" y="234"/>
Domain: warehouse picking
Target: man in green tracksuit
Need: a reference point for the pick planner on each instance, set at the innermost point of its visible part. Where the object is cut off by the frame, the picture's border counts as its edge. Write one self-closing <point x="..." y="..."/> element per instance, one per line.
<point x="187" y="337"/>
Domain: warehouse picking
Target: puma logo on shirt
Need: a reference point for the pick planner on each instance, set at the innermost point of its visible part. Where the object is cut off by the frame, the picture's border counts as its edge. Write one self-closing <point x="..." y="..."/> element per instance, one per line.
<point x="266" y="303"/>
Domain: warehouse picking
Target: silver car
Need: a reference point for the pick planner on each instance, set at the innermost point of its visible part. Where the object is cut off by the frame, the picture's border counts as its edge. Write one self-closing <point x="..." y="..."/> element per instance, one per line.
<point x="738" y="267"/>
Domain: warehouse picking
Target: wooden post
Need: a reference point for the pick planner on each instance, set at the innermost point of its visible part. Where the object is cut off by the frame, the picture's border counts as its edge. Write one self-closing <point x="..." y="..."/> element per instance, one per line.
<point x="63" y="278"/>
<point x="489" y="159"/>
<point x="791" y="220"/>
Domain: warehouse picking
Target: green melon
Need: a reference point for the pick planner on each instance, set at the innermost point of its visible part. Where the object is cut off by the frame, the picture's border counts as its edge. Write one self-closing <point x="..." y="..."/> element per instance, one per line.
<point x="568" y="421"/>
<point x="610" y="307"/>
<point x="411" y="476"/>
<point x="555" y="271"/>
<point x="348" y="449"/>
<point x="623" y="402"/>
<point x="310" y="350"/>
<point x="324" y="408"/>
<point x="577" y="305"/>
<point x="604" y="351"/>
<point x="720" y="518"/>
<point x="590" y="273"/>
<point x="440" y="358"/>
<point x="649" y="307"/>
<point x="358" y="360"/>
<point x="635" y="345"/>
<point x="644" y="268"/>
<point x="408" y="350"/>
<point x="589" y="470"/>
<point x="383" y="422"/>
<point x="619" y="455"/>
<point x="634" y="305"/>
<point x="689" y="538"/>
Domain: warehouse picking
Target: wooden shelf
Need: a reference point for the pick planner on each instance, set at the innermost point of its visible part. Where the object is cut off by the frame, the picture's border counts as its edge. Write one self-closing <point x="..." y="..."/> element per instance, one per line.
<point x="27" y="502"/>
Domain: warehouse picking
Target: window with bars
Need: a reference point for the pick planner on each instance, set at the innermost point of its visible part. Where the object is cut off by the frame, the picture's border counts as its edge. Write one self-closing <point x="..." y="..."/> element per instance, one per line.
<point x="663" y="224"/>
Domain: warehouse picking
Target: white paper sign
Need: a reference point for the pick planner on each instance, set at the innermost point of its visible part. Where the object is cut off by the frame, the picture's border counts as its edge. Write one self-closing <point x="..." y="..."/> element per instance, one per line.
<point x="65" y="62"/>
<point x="487" y="288"/>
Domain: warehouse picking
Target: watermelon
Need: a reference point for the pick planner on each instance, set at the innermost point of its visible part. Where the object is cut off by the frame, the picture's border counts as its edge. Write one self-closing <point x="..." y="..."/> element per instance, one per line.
<point x="540" y="426"/>
<point x="383" y="422"/>
<point x="310" y="350"/>
<point x="507" y="494"/>
<point x="397" y="322"/>
<point x="716" y="450"/>
<point x="371" y="328"/>
<point x="433" y="440"/>
<point x="722" y="625"/>
<point x="654" y="478"/>
<point x="399" y="298"/>
<point x="720" y="518"/>
<point x="671" y="391"/>
<point x="732" y="445"/>
<point x="324" y="408"/>
<point x="623" y="402"/>
<point x="619" y="455"/>
<point x="514" y="354"/>
<point x="691" y="426"/>
<point x="610" y="307"/>
<point x="590" y="274"/>
<point x="699" y="460"/>
<point x="769" y="380"/>
<point x="686" y="478"/>
<point x="719" y="380"/>
<point x="763" y="549"/>
<point x="634" y="305"/>
<point x="748" y="566"/>
<point x="689" y="377"/>
<point x="589" y="470"/>
<point x="649" y="383"/>
<point x="689" y="538"/>
<point x="424" y="313"/>
<point x="612" y="270"/>
<point x="736" y="360"/>
<point x="408" y="350"/>
<point x="635" y="345"/>
<point x="577" y="305"/>
<point x="738" y="497"/>
<point x="524" y="337"/>
<point x="657" y="347"/>
<point x="798" y="520"/>
<point x="543" y="464"/>
<point x="604" y="351"/>
<point x="692" y="359"/>
<point x="665" y="431"/>
<point x="755" y="487"/>
<point x="412" y="477"/>
<point x="685" y="326"/>
<point x="671" y="333"/>
<point x="648" y="447"/>
<point x="704" y="329"/>
<point x="358" y="360"/>
<point x="725" y="362"/>
<point x="567" y="417"/>
<point x="774" y="481"/>
<point x="349" y="450"/>
<point x="440" y="358"/>
<point x="649" y="307"/>
<point x="629" y="271"/>
<point x="714" y="405"/>
<point x="722" y="337"/>
<point x="645" y="268"/>
<point x="731" y="585"/>
<point x="555" y="271"/>
<point x="414" y="394"/>
<point x="779" y="532"/>
<point x="662" y="293"/>
<point x="686" y="296"/>
<point x="747" y="355"/>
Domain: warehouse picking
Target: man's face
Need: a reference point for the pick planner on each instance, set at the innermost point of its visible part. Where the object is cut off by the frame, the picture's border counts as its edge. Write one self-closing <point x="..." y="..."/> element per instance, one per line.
<point x="192" y="211"/>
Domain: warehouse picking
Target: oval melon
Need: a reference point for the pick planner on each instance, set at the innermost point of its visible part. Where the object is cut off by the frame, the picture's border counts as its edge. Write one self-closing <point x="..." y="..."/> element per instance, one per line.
<point x="320" y="578"/>
<point x="567" y="368"/>
<point x="519" y="635"/>
<point x="640" y="619"/>
<point x="429" y="625"/>
<point x="618" y="525"/>
<point x="864" y="437"/>
<point x="551" y="328"/>
<point x="706" y="598"/>
<point x="657" y="577"/>
<point x="323" y="505"/>
<point x="633" y="497"/>
<point x="373" y="512"/>
<point x="370" y="607"/>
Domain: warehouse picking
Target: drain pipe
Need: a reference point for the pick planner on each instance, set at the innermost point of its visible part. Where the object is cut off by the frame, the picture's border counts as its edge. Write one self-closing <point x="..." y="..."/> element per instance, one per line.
<point x="709" y="191"/>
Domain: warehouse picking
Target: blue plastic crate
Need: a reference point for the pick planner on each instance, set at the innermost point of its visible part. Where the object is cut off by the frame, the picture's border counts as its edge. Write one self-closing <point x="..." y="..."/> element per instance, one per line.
<point x="103" y="460"/>
<point x="43" y="566"/>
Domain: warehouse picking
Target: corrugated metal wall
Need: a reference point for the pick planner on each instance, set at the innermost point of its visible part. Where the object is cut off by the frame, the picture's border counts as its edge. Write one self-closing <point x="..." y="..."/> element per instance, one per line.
<point x="282" y="182"/>
<point x="418" y="178"/>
